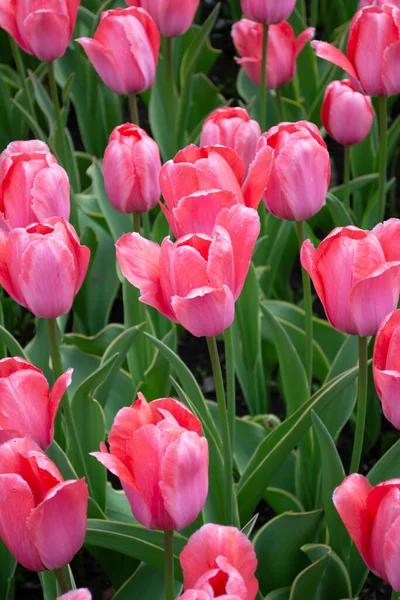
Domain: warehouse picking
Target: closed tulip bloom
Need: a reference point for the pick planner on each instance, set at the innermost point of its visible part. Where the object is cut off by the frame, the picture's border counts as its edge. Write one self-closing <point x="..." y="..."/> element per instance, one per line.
<point x="196" y="280"/>
<point x="172" y="17"/>
<point x="371" y="516"/>
<point x="268" y="11"/>
<point x="373" y="51"/>
<point x="43" y="266"/>
<point x="232" y="127"/>
<point x="301" y="171"/>
<point x="42" y="517"/>
<point x="161" y="458"/>
<point x="364" y="3"/>
<point x="81" y="594"/>
<point x="219" y="561"/>
<point x="386" y="367"/>
<point x="131" y="169"/>
<point x="283" y="49"/>
<point x="124" y="50"/>
<point x="43" y="29"/>
<point x="27" y="405"/>
<point x="33" y="186"/>
<point x="356" y="283"/>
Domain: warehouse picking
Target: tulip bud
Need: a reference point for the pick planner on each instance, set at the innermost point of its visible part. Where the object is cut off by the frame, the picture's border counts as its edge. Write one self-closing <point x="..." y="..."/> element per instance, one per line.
<point x="43" y="266"/>
<point x="124" y="50"/>
<point x="42" y="517"/>
<point x="346" y="114"/>
<point x="386" y="367"/>
<point x="172" y="17"/>
<point x="131" y="169"/>
<point x="268" y="11"/>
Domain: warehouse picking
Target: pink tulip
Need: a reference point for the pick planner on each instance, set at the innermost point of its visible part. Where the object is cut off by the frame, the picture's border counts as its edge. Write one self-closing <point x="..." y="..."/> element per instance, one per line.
<point x="81" y="594"/>
<point x="283" y="50"/>
<point x="355" y="280"/>
<point x="161" y="458"/>
<point x="346" y="114"/>
<point x="42" y="517"/>
<point x="373" y="51"/>
<point x="386" y="367"/>
<point x="43" y="266"/>
<point x="43" y="28"/>
<point x="33" y="186"/>
<point x="173" y="17"/>
<point x="268" y="11"/>
<point x="27" y="405"/>
<point x="124" y="50"/>
<point x="301" y="171"/>
<point x="196" y="280"/>
<point x="200" y="595"/>
<point x="364" y="3"/>
<point x="232" y="127"/>
<point x="219" y="561"/>
<point x="371" y="516"/>
<point x="131" y="169"/>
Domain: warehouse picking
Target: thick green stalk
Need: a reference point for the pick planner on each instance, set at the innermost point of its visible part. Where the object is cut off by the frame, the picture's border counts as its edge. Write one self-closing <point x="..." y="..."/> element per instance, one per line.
<point x="21" y="72"/>
<point x="59" y="134"/>
<point x="280" y="104"/>
<point x="223" y="418"/>
<point x="382" y="100"/>
<point x="169" y="564"/>
<point x="346" y="177"/>
<point x="308" y="310"/>
<point x="64" y="579"/>
<point x="263" y="90"/>
<point x="361" y="404"/>
<point x="230" y="382"/>
<point x="169" y="59"/>
<point x="133" y="108"/>
<point x="136" y="222"/>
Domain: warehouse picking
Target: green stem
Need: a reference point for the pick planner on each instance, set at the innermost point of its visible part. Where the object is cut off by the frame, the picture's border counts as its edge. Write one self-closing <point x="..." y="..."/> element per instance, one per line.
<point x="346" y="177"/>
<point x="263" y="90"/>
<point x="21" y="72"/>
<point x="62" y="581"/>
<point x="280" y="104"/>
<point x="136" y="222"/>
<point x="169" y="564"/>
<point x="382" y="101"/>
<point x="133" y="109"/>
<point x="308" y="310"/>
<point x="171" y="88"/>
<point x="59" y="135"/>
<point x="361" y="403"/>
<point x="230" y="381"/>
<point x="223" y="418"/>
<point x="395" y="595"/>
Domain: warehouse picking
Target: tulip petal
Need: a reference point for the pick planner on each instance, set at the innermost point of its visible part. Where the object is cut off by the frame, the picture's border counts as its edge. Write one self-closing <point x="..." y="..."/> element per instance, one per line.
<point x="391" y="69"/>
<point x="5" y="275"/>
<point x="221" y="266"/>
<point x="56" y="395"/>
<point x="197" y="213"/>
<point x="385" y="516"/>
<point x="9" y="23"/>
<point x="258" y="177"/>
<point x="387" y="384"/>
<point x="50" y="193"/>
<point x="81" y="594"/>
<point x="388" y="234"/>
<point x="303" y="38"/>
<point x="195" y="595"/>
<point x="47" y="33"/>
<point x="337" y="57"/>
<point x="391" y="553"/>
<point x="205" y="311"/>
<point x="179" y="411"/>
<point x="115" y="466"/>
<point x="127" y="421"/>
<point x="103" y="62"/>
<point x="119" y="176"/>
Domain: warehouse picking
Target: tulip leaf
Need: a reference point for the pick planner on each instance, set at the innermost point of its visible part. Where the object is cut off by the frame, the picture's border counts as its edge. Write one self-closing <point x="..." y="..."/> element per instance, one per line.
<point x="58" y="456"/>
<point x="146" y="583"/>
<point x="335" y="582"/>
<point x="11" y="343"/>
<point x="48" y="582"/>
<point x="7" y="572"/>
<point x="248" y="528"/>
<point x="282" y="501"/>
<point x="95" y="344"/>
<point x="387" y="466"/>
<point x="339" y="213"/>
<point x="307" y="583"/>
<point x="279" y="594"/>
<point x="276" y="251"/>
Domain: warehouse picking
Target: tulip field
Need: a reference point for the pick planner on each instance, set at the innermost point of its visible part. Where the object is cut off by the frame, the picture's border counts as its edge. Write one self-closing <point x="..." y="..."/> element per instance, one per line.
<point x="199" y="291"/>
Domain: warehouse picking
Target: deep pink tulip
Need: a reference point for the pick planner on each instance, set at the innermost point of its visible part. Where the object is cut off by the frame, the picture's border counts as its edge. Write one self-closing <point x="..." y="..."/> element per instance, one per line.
<point x="301" y="171"/>
<point x="131" y="169"/>
<point x="27" y="405"/>
<point x="364" y="3"/>
<point x="161" y="458"/>
<point x="124" y="50"/>
<point x="81" y="594"/>
<point x="346" y="114"/>
<point x="283" y="49"/>
<point x="42" y="517"/>
<point x="373" y="51"/>
<point x="356" y="279"/>
<point x="173" y="17"/>
<point x="196" y="280"/>
<point x="43" y="266"/>
<point x="232" y="127"/>
<point x="371" y="516"/>
<point x="201" y="595"/>
<point x="268" y="11"/>
<point x="33" y="186"/>
<point x="221" y="562"/>
<point x="43" y="28"/>
<point x="386" y="367"/>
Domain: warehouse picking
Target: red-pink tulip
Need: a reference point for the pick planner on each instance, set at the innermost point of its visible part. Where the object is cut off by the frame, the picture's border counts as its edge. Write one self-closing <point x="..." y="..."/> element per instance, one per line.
<point x="364" y="3"/>
<point x="221" y="562"/>
<point x="301" y="171"/>
<point x="268" y="11"/>
<point x="43" y="266"/>
<point x="131" y="169"/>
<point x="386" y="367"/>
<point x="33" y="186"/>
<point x="124" y="50"/>
<point x="283" y="49"/>
<point x="43" y="29"/>
<point x="161" y="458"/>
<point x="371" y="516"/>
<point x="232" y="127"/>
<point x="346" y="114"/>
<point x="81" y="594"/>
<point x="373" y="51"/>
<point x="173" y="17"/>
<point x="42" y="517"/>
<point x="356" y="279"/>
<point x="201" y="595"/>
<point x="27" y="405"/>
<point x="196" y="280"/>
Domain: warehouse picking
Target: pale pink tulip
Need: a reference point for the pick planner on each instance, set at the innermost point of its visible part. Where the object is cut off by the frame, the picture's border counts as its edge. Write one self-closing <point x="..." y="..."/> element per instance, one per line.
<point x="268" y="11"/>
<point x="173" y="17"/>
<point x="386" y="367"/>
<point x="81" y="594"/>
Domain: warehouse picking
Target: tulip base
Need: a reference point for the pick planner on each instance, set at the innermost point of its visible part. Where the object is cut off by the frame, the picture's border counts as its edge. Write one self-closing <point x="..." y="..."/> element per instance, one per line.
<point x="263" y="90"/>
<point x="169" y="564"/>
<point x="361" y="404"/>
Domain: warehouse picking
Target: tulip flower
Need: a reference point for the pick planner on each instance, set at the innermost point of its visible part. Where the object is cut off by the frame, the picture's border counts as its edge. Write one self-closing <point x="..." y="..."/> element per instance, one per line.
<point x="268" y="11"/>
<point x="42" y="517"/>
<point x="200" y="595"/>
<point x="371" y="516"/>
<point x="232" y="127"/>
<point x="219" y="561"/>
<point x="81" y="594"/>
<point x="161" y="458"/>
<point x="33" y="186"/>
<point x="283" y="49"/>
<point x="131" y="169"/>
<point x="386" y="367"/>
<point x="27" y="405"/>
<point x="364" y="3"/>
<point x="124" y="50"/>
<point x="172" y="17"/>
<point x="43" y="266"/>
<point x="43" y="29"/>
<point x="196" y="280"/>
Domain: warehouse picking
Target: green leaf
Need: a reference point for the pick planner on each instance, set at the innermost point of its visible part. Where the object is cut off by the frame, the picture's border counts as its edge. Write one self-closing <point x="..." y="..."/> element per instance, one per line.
<point x="248" y="528"/>
<point x="146" y="583"/>
<point x="58" y="456"/>
<point x="275" y="254"/>
<point x="7" y="572"/>
<point x="95" y="344"/>
<point x="48" y="582"/>
<point x="307" y="583"/>
<point x="338" y="211"/>
<point x="387" y="466"/>
<point x="335" y="582"/>
<point x="280" y="594"/>
<point x="282" y="501"/>
<point x="11" y="343"/>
